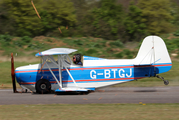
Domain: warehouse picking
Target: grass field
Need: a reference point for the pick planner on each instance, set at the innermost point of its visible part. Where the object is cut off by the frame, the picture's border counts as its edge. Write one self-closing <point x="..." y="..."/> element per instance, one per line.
<point x="5" y="79"/>
<point x="139" y="111"/>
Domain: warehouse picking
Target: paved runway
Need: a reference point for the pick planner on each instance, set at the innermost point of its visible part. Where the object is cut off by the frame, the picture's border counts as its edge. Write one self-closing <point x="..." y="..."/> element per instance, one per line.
<point x="106" y="95"/>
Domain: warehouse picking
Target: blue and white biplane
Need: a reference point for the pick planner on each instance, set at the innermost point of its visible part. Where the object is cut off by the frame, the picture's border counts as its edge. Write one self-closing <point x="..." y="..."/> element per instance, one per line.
<point x="62" y="75"/>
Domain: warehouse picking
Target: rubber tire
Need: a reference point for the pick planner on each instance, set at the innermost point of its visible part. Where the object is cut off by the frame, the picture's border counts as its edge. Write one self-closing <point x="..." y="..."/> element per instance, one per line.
<point x="43" y="83"/>
<point x="166" y="82"/>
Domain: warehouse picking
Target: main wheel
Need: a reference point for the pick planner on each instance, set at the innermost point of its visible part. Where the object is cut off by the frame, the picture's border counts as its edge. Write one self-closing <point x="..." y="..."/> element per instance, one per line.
<point x="43" y="86"/>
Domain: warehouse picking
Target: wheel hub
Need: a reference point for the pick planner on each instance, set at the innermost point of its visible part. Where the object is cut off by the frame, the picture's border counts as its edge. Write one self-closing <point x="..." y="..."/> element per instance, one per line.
<point x="43" y="86"/>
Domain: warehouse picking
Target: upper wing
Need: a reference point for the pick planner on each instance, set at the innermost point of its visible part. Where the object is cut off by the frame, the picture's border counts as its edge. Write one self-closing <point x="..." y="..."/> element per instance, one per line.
<point x="56" y="51"/>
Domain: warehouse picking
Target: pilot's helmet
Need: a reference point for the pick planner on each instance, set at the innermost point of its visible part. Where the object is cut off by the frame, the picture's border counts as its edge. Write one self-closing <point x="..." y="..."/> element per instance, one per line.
<point x="78" y="58"/>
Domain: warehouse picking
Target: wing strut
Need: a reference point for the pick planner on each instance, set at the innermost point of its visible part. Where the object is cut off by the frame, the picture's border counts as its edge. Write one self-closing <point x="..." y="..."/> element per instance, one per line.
<point x="60" y="84"/>
<point x="60" y="65"/>
<point x="60" y="62"/>
<point x="69" y="73"/>
<point x="53" y="75"/>
<point x="59" y="69"/>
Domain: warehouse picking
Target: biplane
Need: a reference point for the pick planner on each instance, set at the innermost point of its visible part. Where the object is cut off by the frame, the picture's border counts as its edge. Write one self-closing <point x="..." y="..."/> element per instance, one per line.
<point x="58" y="73"/>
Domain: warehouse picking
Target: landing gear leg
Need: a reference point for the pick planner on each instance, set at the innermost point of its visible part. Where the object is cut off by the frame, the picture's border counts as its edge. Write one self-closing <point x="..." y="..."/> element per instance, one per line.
<point x="166" y="82"/>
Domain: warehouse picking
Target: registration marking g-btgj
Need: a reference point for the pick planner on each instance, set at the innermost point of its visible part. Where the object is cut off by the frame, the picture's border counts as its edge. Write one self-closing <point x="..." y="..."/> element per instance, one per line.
<point x="108" y="73"/>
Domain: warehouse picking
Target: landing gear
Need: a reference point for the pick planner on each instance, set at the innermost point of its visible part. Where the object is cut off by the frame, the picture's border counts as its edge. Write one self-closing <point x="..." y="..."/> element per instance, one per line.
<point x="43" y="86"/>
<point x="166" y="82"/>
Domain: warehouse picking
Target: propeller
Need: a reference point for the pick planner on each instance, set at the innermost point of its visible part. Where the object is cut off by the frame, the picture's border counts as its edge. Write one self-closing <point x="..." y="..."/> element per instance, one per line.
<point x="13" y="74"/>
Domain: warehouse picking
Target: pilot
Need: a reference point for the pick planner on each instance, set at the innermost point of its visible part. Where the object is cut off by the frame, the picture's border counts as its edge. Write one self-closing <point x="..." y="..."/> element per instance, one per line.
<point x="77" y="59"/>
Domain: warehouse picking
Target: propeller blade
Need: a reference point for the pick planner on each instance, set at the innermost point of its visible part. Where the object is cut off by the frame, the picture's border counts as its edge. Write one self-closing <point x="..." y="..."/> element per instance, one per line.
<point x="13" y="74"/>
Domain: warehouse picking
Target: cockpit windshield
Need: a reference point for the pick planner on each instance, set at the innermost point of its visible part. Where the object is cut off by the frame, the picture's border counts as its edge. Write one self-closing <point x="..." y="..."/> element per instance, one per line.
<point x="67" y="59"/>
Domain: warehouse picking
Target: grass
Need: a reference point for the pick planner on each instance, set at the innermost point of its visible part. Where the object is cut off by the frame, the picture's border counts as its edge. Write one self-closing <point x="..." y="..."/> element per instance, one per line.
<point x="5" y="79"/>
<point x="172" y="76"/>
<point x="139" y="111"/>
<point x="89" y="46"/>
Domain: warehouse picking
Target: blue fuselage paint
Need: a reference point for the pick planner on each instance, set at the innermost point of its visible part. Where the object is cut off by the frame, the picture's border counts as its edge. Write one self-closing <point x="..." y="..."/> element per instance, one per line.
<point x="92" y="74"/>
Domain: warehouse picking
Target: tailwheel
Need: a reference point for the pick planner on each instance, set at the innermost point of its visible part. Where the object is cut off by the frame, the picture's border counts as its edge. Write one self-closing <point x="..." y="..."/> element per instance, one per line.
<point x="166" y="82"/>
<point x="43" y="86"/>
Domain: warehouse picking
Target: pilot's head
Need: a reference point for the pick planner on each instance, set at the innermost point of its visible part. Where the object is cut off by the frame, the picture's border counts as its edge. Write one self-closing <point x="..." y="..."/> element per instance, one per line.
<point x="77" y="58"/>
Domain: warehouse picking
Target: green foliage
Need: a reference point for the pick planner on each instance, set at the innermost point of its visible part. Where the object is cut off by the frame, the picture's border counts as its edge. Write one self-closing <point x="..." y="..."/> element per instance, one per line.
<point x="135" y="27"/>
<point x="175" y="13"/>
<point x="104" y="21"/>
<point x="18" y="43"/>
<point x="157" y="15"/>
<point x="5" y="39"/>
<point x="95" y="45"/>
<point x="54" y="14"/>
<point x="119" y="55"/>
<point x="78" y="42"/>
<point x="125" y="54"/>
<point x="128" y="53"/>
<point x="176" y="33"/>
<point x="97" y="18"/>
<point x="116" y="43"/>
<point x="172" y="45"/>
<point x="25" y="19"/>
<point x="26" y="39"/>
<point x="90" y="51"/>
<point x="58" y="13"/>
<point x="35" y="46"/>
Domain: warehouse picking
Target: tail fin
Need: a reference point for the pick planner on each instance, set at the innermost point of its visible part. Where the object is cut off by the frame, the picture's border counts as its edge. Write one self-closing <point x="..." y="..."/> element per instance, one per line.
<point x="153" y="51"/>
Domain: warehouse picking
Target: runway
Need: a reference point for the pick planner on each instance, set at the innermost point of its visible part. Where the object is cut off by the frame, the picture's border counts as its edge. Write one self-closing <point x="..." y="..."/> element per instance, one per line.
<point x="165" y="94"/>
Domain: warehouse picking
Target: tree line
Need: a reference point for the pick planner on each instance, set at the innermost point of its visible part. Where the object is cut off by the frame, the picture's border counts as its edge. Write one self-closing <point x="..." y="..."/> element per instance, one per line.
<point x="106" y="19"/>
